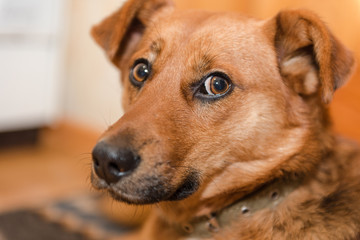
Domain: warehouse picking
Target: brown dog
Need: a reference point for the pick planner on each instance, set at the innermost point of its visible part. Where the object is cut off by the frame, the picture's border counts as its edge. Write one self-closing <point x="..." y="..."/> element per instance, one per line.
<point x="226" y="125"/>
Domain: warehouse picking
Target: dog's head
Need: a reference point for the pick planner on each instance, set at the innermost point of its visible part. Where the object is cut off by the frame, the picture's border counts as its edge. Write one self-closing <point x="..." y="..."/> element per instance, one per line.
<point x="214" y="102"/>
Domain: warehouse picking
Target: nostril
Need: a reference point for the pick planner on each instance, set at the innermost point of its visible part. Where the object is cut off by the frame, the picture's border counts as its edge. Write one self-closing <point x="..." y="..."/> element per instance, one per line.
<point x="96" y="162"/>
<point x="97" y="167"/>
<point x="115" y="169"/>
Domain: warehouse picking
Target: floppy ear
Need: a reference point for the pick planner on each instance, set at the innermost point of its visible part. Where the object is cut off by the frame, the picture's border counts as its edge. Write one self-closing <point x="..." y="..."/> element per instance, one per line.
<point x="120" y="33"/>
<point x="310" y="58"/>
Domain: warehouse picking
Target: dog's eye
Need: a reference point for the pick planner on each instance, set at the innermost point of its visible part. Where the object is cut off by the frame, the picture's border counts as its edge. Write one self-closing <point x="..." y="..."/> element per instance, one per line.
<point x="215" y="86"/>
<point x="140" y="72"/>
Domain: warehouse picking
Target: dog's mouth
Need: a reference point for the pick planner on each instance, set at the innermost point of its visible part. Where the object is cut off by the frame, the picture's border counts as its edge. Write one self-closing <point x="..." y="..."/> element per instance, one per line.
<point x="151" y="190"/>
<point x="188" y="187"/>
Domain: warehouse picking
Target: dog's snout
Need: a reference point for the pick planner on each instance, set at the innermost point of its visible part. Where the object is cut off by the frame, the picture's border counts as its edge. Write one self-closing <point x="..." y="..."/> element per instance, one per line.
<point x="111" y="162"/>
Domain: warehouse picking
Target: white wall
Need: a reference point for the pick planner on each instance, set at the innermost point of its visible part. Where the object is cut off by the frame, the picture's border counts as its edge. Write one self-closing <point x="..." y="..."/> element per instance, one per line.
<point x="31" y="62"/>
<point x="92" y="90"/>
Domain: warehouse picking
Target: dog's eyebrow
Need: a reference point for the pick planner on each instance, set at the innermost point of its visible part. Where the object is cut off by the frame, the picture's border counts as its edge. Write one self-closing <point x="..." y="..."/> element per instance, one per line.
<point x="156" y="46"/>
<point x="203" y="63"/>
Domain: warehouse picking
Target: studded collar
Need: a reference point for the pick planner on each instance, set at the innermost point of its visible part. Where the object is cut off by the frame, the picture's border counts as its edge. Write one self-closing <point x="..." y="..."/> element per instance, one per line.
<point x="267" y="197"/>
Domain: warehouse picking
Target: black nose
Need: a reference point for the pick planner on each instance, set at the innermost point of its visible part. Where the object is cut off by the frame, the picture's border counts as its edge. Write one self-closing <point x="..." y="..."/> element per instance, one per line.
<point x="111" y="162"/>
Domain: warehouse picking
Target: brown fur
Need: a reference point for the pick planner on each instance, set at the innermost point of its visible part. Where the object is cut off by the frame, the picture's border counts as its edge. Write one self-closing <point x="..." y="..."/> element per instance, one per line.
<point x="273" y="125"/>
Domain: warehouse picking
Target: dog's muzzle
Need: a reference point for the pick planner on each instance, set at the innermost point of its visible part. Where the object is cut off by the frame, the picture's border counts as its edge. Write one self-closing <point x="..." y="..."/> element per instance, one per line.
<point x="111" y="162"/>
<point x="120" y="169"/>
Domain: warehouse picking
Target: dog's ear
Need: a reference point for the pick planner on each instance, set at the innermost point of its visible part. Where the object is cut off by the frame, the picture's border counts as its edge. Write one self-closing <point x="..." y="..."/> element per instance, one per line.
<point x="120" y="33"/>
<point x="310" y="58"/>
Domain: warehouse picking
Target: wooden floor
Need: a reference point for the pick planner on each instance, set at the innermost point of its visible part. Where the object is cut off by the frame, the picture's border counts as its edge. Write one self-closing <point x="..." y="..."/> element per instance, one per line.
<point x="58" y="166"/>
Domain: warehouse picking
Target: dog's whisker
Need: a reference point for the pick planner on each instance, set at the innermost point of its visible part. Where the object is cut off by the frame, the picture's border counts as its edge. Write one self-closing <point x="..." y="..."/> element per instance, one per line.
<point x="83" y="159"/>
<point x="106" y="121"/>
<point x="86" y="153"/>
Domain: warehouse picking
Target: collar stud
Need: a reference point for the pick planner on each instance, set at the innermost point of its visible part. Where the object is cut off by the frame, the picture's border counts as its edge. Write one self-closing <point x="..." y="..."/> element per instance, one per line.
<point x="245" y="210"/>
<point x="213" y="224"/>
<point x="188" y="228"/>
<point x="274" y="195"/>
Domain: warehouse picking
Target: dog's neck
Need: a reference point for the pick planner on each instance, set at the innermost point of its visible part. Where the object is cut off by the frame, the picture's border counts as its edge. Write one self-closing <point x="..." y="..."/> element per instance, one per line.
<point x="190" y="210"/>
<point x="196" y="207"/>
<point x="266" y="197"/>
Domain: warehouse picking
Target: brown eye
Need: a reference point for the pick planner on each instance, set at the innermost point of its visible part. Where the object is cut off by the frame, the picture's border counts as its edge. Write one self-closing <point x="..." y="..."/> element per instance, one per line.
<point x="216" y="85"/>
<point x="140" y="73"/>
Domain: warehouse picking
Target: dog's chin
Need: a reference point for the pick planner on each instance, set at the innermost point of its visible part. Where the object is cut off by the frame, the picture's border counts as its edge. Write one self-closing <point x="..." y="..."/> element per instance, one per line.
<point x="159" y="193"/>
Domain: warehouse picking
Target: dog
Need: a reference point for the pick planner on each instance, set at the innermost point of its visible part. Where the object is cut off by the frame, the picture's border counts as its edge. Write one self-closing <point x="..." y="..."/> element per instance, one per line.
<point x="226" y="126"/>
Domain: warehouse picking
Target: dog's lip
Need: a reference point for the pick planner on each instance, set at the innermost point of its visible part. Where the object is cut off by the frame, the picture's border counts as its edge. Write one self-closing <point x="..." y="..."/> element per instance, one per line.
<point x="117" y="194"/>
<point x="189" y="186"/>
<point x="129" y="198"/>
<point x="184" y="190"/>
<point x="179" y="194"/>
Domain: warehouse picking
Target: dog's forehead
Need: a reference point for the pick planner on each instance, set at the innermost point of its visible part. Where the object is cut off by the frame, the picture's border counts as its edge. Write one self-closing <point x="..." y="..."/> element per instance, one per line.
<point x="223" y="31"/>
<point x="203" y="41"/>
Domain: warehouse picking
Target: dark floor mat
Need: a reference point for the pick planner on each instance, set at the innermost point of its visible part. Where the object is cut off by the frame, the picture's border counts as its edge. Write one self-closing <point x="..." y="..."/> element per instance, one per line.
<point x="74" y="218"/>
<point x="27" y="225"/>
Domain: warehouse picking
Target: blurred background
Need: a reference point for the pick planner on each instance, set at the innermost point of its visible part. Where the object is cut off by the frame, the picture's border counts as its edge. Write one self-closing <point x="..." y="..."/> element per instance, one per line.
<point x="58" y="92"/>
